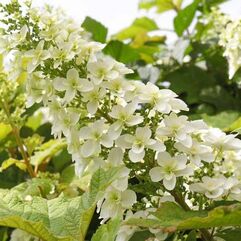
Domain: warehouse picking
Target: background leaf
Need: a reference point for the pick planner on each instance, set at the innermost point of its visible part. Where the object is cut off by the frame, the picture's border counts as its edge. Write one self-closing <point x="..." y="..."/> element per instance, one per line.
<point x="98" y="30"/>
<point x="139" y="26"/>
<point x="184" y="17"/>
<point x="121" y="52"/>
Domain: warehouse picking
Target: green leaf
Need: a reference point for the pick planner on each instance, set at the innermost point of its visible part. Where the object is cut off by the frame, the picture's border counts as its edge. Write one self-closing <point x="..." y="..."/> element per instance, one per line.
<point x="141" y="236"/>
<point x="160" y="5"/>
<point x="35" y="187"/>
<point x="192" y="236"/>
<point x="62" y="218"/>
<point x="190" y="81"/>
<point x="98" y="30"/>
<point x="222" y="120"/>
<point x="10" y="162"/>
<point x="4" y="130"/>
<point x="170" y="216"/>
<point x="121" y="52"/>
<point x="139" y="26"/>
<point x="47" y="150"/>
<point x="230" y="234"/>
<point x="184" y="17"/>
<point x="34" y="121"/>
<point x="236" y="125"/>
<point x="108" y="231"/>
<point x="3" y="234"/>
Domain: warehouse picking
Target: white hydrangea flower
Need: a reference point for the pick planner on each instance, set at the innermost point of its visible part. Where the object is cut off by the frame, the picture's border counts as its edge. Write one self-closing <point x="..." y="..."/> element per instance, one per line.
<point x="115" y="202"/>
<point x="219" y="140"/>
<point x="93" y="97"/>
<point x="21" y="35"/>
<point x="102" y="69"/>
<point x="96" y="135"/>
<point x="37" y="56"/>
<point x="169" y="169"/>
<point x="137" y="143"/>
<point x="232" y="188"/>
<point x="211" y="187"/>
<point x="161" y="100"/>
<point x="62" y="53"/>
<point x="39" y="88"/>
<point x="125" y="115"/>
<point x="72" y="84"/>
<point x="88" y="49"/>
<point x="65" y="121"/>
<point x="197" y="152"/>
<point x="177" y="127"/>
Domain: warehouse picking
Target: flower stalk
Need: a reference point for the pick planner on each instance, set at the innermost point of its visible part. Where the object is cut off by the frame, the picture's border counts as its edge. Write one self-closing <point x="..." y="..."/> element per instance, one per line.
<point x="18" y="139"/>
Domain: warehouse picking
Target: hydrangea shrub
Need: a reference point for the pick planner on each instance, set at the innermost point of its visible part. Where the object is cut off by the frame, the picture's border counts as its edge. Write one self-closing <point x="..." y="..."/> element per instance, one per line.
<point x="109" y="121"/>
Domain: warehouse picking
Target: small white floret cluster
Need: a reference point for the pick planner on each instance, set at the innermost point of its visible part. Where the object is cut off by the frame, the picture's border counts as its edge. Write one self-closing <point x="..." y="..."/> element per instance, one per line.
<point x="230" y="40"/>
<point x="111" y="121"/>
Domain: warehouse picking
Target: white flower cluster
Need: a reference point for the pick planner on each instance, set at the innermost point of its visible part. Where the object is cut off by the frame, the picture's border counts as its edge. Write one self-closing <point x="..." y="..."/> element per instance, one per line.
<point x="111" y="121"/>
<point x="230" y="40"/>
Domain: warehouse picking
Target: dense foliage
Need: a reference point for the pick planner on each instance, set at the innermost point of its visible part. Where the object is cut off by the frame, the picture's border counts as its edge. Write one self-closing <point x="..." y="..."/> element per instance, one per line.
<point x="91" y="152"/>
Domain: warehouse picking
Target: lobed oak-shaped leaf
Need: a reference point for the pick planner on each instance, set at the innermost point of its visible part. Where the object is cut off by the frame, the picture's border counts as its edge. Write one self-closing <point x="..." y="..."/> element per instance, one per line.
<point x="63" y="219"/>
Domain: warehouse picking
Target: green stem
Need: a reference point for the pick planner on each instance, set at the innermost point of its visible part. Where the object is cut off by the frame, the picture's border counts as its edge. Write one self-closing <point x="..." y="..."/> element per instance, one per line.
<point x="18" y="139"/>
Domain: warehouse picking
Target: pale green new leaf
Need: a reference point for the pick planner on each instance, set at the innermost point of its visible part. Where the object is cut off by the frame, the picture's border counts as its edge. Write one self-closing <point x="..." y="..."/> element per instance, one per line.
<point x="10" y="162"/>
<point x="139" y="26"/>
<point x="47" y="150"/>
<point x="63" y="219"/>
<point x="4" y="130"/>
<point x="160" y="5"/>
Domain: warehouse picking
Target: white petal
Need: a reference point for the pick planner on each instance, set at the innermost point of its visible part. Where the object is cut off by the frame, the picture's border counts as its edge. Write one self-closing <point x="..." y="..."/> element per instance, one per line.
<point x="72" y="74"/>
<point x="115" y="130"/>
<point x="163" y="158"/>
<point x="136" y="157"/>
<point x="214" y="194"/>
<point x="169" y="184"/>
<point x="128" y="198"/>
<point x="74" y="116"/>
<point x="123" y="142"/>
<point x="59" y="84"/>
<point x="107" y="141"/>
<point x="115" y="111"/>
<point x="143" y="133"/>
<point x="85" y="132"/>
<point x="92" y="107"/>
<point x="69" y="95"/>
<point x="156" y="174"/>
<point x="158" y="146"/>
<point x="89" y="148"/>
<point x="85" y="85"/>
<point x="134" y="120"/>
<point x="115" y="156"/>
